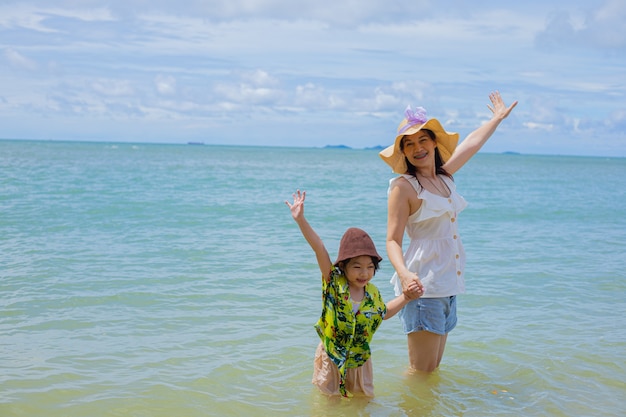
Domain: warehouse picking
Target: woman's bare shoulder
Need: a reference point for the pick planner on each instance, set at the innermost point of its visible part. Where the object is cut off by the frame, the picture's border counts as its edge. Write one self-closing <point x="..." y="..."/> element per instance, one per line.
<point x="402" y="189"/>
<point x="403" y="194"/>
<point x="402" y="184"/>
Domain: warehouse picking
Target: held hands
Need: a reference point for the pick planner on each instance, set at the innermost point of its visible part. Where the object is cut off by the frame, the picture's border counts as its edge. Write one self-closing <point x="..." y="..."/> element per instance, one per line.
<point x="412" y="287"/>
<point x="297" y="208"/>
<point x="499" y="109"/>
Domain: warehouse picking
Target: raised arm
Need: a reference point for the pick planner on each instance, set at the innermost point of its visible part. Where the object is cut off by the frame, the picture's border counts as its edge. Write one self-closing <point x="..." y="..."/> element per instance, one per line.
<point x="475" y="140"/>
<point x="297" y="212"/>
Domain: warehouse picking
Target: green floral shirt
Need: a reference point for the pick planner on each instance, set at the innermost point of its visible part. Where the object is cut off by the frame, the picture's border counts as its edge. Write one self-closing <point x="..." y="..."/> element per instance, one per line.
<point x="346" y="336"/>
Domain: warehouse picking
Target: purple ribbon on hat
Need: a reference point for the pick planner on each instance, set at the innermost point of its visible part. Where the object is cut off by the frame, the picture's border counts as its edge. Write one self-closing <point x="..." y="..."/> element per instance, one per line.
<point x="413" y="117"/>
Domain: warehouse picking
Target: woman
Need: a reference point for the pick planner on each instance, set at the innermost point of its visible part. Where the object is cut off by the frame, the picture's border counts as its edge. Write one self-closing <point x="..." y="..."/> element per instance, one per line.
<point x="423" y="200"/>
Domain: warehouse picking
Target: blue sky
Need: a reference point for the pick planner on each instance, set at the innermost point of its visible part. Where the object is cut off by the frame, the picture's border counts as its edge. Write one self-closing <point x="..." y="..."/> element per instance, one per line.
<point x="312" y="73"/>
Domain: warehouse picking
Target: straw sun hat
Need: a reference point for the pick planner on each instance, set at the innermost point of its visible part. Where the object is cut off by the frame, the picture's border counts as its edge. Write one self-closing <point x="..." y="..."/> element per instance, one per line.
<point x="413" y="122"/>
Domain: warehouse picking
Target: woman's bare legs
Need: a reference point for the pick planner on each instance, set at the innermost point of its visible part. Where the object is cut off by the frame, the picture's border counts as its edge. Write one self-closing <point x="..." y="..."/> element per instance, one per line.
<point x="426" y="350"/>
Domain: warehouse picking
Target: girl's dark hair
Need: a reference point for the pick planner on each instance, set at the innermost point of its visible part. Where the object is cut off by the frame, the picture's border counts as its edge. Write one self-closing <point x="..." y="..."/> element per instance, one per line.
<point x="342" y="265"/>
<point x="438" y="161"/>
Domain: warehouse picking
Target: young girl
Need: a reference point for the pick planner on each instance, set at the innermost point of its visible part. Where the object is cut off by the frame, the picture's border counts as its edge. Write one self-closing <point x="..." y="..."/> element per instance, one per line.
<point x="352" y="308"/>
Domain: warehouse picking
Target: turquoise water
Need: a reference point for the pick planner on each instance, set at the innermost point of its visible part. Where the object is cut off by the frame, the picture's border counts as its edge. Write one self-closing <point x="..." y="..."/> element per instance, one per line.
<point x="170" y="280"/>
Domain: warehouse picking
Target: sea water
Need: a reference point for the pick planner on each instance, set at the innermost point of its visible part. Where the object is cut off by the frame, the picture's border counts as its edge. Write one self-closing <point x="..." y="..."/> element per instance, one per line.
<point x="170" y="280"/>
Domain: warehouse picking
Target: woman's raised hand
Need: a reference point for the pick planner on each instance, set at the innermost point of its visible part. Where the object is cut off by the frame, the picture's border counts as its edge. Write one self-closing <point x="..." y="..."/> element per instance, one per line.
<point x="499" y="109"/>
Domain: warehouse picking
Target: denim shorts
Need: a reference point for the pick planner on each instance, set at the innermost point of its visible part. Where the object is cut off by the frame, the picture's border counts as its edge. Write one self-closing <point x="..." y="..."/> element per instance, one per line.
<point x="436" y="315"/>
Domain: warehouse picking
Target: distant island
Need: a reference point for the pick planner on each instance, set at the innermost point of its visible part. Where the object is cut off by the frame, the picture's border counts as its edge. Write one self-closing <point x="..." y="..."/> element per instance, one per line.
<point x="377" y="147"/>
<point x="380" y="148"/>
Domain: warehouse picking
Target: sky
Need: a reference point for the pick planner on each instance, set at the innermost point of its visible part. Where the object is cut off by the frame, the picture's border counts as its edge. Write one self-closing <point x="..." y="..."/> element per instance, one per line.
<point x="314" y="73"/>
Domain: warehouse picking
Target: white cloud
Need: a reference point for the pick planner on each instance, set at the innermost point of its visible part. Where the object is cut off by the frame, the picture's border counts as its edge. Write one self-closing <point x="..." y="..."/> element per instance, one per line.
<point x="617" y="121"/>
<point x="601" y="28"/>
<point x="259" y="78"/>
<point x="19" y="61"/>
<point x="165" y="84"/>
<point x="22" y="16"/>
<point x="607" y="26"/>
<point x="26" y="15"/>
<point x="539" y="126"/>
<point x="310" y="96"/>
<point x="336" y="63"/>
<point x="109" y="87"/>
<point x="247" y="94"/>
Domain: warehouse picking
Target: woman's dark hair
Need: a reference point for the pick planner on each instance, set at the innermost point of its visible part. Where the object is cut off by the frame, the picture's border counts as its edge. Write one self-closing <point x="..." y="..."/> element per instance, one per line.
<point x="438" y="161"/>
<point x="342" y="265"/>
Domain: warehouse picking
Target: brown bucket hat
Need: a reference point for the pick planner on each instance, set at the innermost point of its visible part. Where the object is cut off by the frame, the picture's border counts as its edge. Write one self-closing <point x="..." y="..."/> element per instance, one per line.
<point x="356" y="242"/>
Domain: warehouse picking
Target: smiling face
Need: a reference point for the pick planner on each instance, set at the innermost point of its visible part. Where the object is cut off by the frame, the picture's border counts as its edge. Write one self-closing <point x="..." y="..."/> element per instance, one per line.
<point x="419" y="148"/>
<point x="359" y="271"/>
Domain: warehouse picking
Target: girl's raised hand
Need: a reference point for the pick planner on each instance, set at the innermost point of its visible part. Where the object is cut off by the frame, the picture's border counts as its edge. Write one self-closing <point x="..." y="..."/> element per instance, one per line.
<point x="297" y="208"/>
